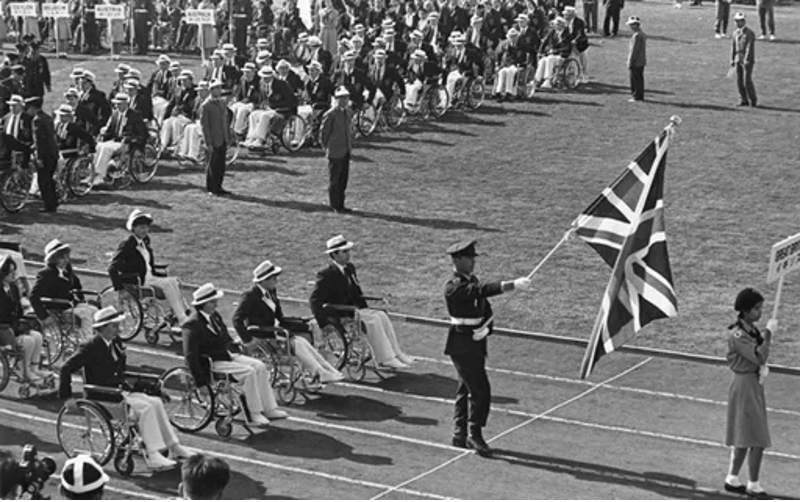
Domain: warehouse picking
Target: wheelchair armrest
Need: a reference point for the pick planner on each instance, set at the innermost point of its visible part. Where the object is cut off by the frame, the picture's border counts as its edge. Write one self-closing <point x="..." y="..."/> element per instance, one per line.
<point x="376" y="299"/>
<point x="265" y="329"/>
<point x="100" y="389"/>
<point x="55" y="303"/>
<point x="85" y="292"/>
<point x="162" y="266"/>
<point x="340" y="308"/>
<point x="140" y="376"/>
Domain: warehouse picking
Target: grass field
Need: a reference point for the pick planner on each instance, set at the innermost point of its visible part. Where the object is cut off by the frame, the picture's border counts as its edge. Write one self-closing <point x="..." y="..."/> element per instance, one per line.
<point x="512" y="176"/>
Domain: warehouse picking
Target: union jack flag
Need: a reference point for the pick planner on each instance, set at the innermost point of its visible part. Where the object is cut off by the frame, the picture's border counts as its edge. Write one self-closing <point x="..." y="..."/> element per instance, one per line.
<point x="625" y="225"/>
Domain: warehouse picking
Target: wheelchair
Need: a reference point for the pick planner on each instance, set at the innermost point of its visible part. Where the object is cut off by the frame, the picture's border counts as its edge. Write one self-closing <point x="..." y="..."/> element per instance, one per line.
<point x="346" y="347"/>
<point x="388" y="115"/>
<point x="566" y="74"/>
<point x="191" y="407"/>
<point x="231" y="154"/>
<point x="16" y="183"/>
<point x="145" y="307"/>
<point x="434" y="100"/>
<point x="11" y="367"/>
<point x="289" y="131"/>
<point x="130" y="164"/>
<point x="77" y="171"/>
<point x="469" y="92"/>
<point x="64" y="337"/>
<point x="102" y="428"/>
<point x="287" y="374"/>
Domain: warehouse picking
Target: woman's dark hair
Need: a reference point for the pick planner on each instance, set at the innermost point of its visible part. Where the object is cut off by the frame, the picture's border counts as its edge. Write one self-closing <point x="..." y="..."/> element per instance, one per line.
<point x="746" y="300"/>
<point x="5" y="267"/>
<point x="204" y="477"/>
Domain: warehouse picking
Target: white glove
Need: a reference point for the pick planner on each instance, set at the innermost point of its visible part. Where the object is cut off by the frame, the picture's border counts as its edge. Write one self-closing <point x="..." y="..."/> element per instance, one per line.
<point x="480" y="333"/>
<point x="763" y="371"/>
<point x="772" y="325"/>
<point x="522" y="283"/>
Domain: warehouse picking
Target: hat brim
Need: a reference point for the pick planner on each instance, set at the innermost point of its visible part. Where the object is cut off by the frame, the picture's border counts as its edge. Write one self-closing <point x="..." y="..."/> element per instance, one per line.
<point x="55" y="252"/>
<point x="118" y="317"/>
<point x="197" y="303"/>
<point x="275" y="271"/>
<point x="347" y="246"/>
<point x="132" y="223"/>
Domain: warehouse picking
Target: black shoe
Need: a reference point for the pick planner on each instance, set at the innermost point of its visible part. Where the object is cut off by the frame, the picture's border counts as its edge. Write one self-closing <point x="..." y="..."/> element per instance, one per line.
<point x="741" y="489"/>
<point x="47" y="210"/>
<point x="757" y="495"/>
<point x="459" y="441"/>
<point x="754" y="104"/>
<point x="479" y="445"/>
<point x="222" y="192"/>
<point x="743" y="103"/>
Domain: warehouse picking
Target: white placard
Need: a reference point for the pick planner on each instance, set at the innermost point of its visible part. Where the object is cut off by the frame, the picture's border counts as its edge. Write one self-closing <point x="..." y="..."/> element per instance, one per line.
<point x="109" y="12"/>
<point x="200" y="16"/>
<point x="24" y="9"/>
<point x="784" y="258"/>
<point x="55" y="10"/>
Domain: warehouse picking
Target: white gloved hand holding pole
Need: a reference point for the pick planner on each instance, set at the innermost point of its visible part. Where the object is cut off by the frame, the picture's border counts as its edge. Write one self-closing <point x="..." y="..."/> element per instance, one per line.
<point x="772" y="326"/>
<point x="523" y="283"/>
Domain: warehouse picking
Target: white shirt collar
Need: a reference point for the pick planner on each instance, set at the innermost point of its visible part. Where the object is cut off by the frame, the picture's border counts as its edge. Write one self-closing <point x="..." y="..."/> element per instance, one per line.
<point x="340" y="267"/>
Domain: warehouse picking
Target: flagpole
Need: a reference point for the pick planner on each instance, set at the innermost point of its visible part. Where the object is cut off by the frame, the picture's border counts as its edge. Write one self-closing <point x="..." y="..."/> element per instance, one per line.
<point x="587" y="365"/>
<point x="564" y="239"/>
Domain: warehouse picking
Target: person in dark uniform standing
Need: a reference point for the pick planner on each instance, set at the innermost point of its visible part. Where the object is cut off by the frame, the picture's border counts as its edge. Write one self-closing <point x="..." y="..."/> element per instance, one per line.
<point x="470" y="322"/>
<point x="242" y="17"/>
<point x="611" y="20"/>
<point x="91" y="38"/>
<point x="37" y="72"/>
<point x="143" y="12"/>
<point x="46" y="147"/>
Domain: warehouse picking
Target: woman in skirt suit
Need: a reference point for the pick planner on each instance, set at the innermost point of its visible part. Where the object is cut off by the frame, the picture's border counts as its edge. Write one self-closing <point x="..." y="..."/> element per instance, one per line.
<point x="747" y="429"/>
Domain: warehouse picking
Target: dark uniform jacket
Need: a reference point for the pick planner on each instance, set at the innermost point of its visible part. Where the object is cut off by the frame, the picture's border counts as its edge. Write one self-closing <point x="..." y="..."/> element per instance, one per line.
<point x="10" y="306"/>
<point x="254" y="311"/>
<point x="126" y="127"/>
<point x="512" y="55"/>
<point x="71" y="136"/>
<point x="281" y="97"/>
<point x="577" y="34"/>
<point x="385" y="81"/>
<point x="320" y="92"/>
<point x="128" y="260"/>
<point x="51" y="284"/>
<point x="44" y="136"/>
<point x="98" y="364"/>
<point x="24" y="137"/>
<point x="248" y="91"/>
<point x="466" y="298"/>
<point x="182" y="103"/>
<point x="355" y="81"/>
<point x="159" y="83"/>
<point x="143" y="104"/>
<point x="325" y="58"/>
<point x="202" y="340"/>
<point x="294" y="81"/>
<point x="334" y="287"/>
<point x="96" y="103"/>
<point x="37" y="75"/>
<point x="555" y="43"/>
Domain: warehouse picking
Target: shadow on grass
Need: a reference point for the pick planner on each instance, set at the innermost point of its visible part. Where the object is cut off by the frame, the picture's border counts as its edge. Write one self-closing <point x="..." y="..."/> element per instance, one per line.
<point x="309" y="444"/>
<point x="604" y="88"/>
<point x="430" y="385"/>
<point x="547" y="99"/>
<point x="115" y="197"/>
<point x="266" y="166"/>
<point x="698" y="106"/>
<point x="424" y="222"/>
<point x="657" y="482"/>
<point x="785" y="42"/>
<point x="296" y="205"/>
<point x="165" y="483"/>
<point x="779" y="109"/>
<point x="6" y="229"/>
<point x="661" y="38"/>
<point x="21" y="437"/>
<point x="66" y="218"/>
<point x="501" y="110"/>
<point x="362" y="409"/>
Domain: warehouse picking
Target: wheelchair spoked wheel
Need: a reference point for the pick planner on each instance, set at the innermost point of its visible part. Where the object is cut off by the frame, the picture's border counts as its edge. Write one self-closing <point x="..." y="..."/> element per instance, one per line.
<point x="80" y="175"/>
<point x="189" y="407"/>
<point x="224" y="427"/>
<point x="439" y="102"/>
<point x="121" y="176"/>
<point x="52" y="344"/>
<point x="289" y="372"/>
<point x="5" y="371"/>
<point x="334" y="348"/>
<point x="357" y="356"/>
<point x="266" y="355"/>
<point x="123" y="463"/>
<point x="571" y="73"/>
<point x="394" y="110"/>
<point x="134" y="317"/>
<point x="85" y="429"/>
<point x="143" y="165"/>
<point x="367" y="119"/>
<point x="293" y="133"/>
<point x="475" y="94"/>
<point x="14" y="190"/>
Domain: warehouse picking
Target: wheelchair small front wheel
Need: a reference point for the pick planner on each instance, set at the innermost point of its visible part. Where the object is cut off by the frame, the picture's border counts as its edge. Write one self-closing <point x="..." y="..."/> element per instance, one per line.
<point x="123" y="463"/>
<point x="334" y="348"/>
<point x="571" y="72"/>
<point x="224" y="427"/>
<point x="367" y="119"/>
<point x="24" y="391"/>
<point x="286" y="393"/>
<point x="151" y="336"/>
<point x="476" y="93"/>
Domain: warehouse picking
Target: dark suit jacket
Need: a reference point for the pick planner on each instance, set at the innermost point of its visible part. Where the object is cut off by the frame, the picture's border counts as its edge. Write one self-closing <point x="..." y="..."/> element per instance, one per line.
<point x="49" y="284"/>
<point x="128" y="260"/>
<point x="159" y="83"/>
<point x="294" y="81"/>
<point x="254" y="311"/>
<point x="248" y="91"/>
<point x="334" y="287"/>
<point x="143" y="104"/>
<point x="70" y="135"/>
<point x="10" y="306"/>
<point x="282" y="97"/>
<point x="214" y="121"/>
<point x="44" y="135"/>
<point x="325" y="58"/>
<point x="320" y="92"/>
<point x="37" y="75"/>
<point x="96" y="103"/>
<point x="201" y="341"/>
<point x="466" y="297"/>
<point x="182" y="102"/>
<point x="555" y="43"/>
<point x="24" y="138"/>
<point x="355" y="82"/>
<point x="133" y="129"/>
<point x="386" y="82"/>
<point x="577" y="34"/>
<point x="99" y="367"/>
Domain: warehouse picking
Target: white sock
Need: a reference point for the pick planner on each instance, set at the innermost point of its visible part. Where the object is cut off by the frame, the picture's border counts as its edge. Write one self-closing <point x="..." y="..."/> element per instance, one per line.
<point x="732" y="480"/>
<point x="754" y="486"/>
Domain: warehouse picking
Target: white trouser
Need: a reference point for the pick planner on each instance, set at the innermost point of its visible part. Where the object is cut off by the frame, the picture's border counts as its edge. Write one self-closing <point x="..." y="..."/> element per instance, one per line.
<point x="378" y="99"/>
<point x="172" y="129"/>
<point x="582" y="60"/>
<point x="191" y="143"/>
<point x="311" y="360"/>
<point x="305" y="112"/>
<point x="254" y="379"/>
<point x="153" y="422"/>
<point x="547" y="65"/>
<point x="159" y="108"/>
<point x="452" y="79"/>
<point x="260" y="124"/>
<point x="105" y="149"/>
<point x="172" y="291"/>
<point x="413" y="91"/>
<point x="31" y="343"/>
<point x="506" y="80"/>
<point x="241" y="112"/>
<point x="380" y="334"/>
<point x="85" y="313"/>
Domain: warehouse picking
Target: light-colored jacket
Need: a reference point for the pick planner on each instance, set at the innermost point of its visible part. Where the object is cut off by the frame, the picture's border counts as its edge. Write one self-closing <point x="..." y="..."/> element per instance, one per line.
<point x="637" y="50"/>
<point x="743" y="46"/>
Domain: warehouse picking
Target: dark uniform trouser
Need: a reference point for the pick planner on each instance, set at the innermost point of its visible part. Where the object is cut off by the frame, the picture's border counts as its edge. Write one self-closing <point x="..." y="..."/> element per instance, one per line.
<point x="612" y="15"/>
<point x="637" y="82"/>
<point x="141" y="33"/>
<point x="590" y="16"/>
<point x="744" y="79"/>
<point x="47" y="186"/>
<point x="215" y="168"/>
<point x="474" y="394"/>
<point x="338" y="174"/>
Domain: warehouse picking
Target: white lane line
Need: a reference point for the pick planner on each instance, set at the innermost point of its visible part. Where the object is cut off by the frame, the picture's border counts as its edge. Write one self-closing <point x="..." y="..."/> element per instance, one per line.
<point x="571" y="400"/>
<point x="261" y="463"/>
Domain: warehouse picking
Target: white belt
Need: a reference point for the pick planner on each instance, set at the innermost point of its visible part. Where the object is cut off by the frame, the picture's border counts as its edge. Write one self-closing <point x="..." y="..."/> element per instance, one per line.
<point x="466" y="321"/>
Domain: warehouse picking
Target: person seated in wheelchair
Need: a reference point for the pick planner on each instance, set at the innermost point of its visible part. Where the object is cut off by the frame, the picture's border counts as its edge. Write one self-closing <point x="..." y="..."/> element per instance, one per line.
<point x="512" y="58"/>
<point x="384" y="78"/>
<point x="15" y="330"/>
<point x="159" y="84"/>
<point x="140" y="100"/>
<point x="15" y="251"/>
<point x="57" y="281"/>
<point x="460" y="62"/>
<point x="134" y="257"/>
<point x="180" y="111"/>
<point x="556" y="46"/>
<point x="191" y="144"/>
<point x="205" y="337"/>
<point x="125" y="130"/>
<point x="285" y="72"/>
<point x="353" y="79"/>
<point x="319" y="91"/>
<point x="278" y="101"/>
<point x="421" y="74"/>
<point x="73" y="140"/>
<point x="259" y="318"/>
<point x="17" y="131"/>
<point x="103" y="362"/>
<point x="246" y="95"/>
<point x="337" y="285"/>
<point x="118" y="85"/>
<point x="578" y="38"/>
<point x="84" y="117"/>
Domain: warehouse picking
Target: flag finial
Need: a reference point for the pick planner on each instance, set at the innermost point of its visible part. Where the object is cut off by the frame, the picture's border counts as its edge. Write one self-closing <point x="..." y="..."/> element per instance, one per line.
<point x="675" y="121"/>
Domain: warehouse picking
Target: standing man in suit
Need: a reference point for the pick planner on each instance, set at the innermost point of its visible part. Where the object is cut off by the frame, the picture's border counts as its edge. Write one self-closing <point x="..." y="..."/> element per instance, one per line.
<point x="637" y="59"/>
<point x="338" y="142"/>
<point x="103" y="362"/>
<point x="205" y="336"/>
<point x="93" y="101"/>
<point x="471" y="320"/>
<point x="17" y="130"/>
<point x="337" y="284"/>
<point x="37" y="71"/>
<point x="613" y="8"/>
<point x="766" y="18"/>
<point x="45" y="144"/>
<point x="214" y="120"/>
<point x="743" y="57"/>
<point x="134" y="255"/>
